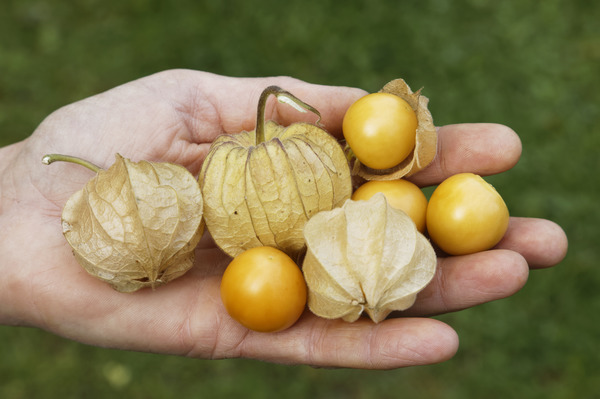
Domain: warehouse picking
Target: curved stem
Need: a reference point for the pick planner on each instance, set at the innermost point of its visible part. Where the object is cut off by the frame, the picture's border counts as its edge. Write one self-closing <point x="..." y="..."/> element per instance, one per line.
<point x="50" y="158"/>
<point x="283" y="96"/>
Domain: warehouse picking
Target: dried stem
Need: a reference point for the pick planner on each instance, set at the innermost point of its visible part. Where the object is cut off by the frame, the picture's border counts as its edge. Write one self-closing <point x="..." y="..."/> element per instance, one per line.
<point x="283" y="96"/>
<point x="50" y="158"/>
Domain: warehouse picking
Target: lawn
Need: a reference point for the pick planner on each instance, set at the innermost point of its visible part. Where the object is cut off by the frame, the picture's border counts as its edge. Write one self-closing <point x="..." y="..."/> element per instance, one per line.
<point x="530" y="65"/>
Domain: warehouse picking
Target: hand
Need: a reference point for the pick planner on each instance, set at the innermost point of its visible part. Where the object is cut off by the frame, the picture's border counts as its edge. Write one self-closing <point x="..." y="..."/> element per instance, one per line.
<point x="173" y="116"/>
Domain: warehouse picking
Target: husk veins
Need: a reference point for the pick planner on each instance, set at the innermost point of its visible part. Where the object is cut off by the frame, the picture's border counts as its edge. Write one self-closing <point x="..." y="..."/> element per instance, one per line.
<point x="135" y="225"/>
<point x="263" y="192"/>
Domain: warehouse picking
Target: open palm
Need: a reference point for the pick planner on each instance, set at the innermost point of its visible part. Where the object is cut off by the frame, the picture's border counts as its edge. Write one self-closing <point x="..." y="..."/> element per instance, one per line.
<point x="173" y="116"/>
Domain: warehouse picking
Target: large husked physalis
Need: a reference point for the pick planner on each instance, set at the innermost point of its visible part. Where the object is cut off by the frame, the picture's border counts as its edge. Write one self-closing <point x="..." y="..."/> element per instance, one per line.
<point x="365" y="256"/>
<point x="135" y="224"/>
<point x="390" y="134"/>
<point x="261" y="187"/>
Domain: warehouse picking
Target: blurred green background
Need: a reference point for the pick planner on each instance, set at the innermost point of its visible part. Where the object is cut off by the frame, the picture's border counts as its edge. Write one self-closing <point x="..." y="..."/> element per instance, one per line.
<point x="531" y="65"/>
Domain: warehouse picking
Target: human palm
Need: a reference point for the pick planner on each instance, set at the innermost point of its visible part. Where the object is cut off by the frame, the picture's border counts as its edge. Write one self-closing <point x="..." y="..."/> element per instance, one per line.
<point x="174" y="116"/>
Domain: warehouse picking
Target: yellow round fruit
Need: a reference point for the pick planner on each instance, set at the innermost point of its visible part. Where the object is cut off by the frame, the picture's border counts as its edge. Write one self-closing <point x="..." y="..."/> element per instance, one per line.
<point x="400" y="194"/>
<point x="466" y="215"/>
<point x="264" y="290"/>
<point x="380" y="128"/>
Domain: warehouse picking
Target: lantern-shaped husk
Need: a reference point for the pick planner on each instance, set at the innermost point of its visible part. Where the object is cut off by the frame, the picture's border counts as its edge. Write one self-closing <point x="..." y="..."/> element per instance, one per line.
<point x="365" y="256"/>
<point x="261" y="187"/>
<point x="263" y="194"/>
<point x="135" y="225"/>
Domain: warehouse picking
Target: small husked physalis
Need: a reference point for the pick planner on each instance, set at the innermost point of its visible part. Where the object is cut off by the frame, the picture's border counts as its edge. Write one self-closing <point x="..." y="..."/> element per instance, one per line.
<point x="390" y="134"/>
<point x="261" y="187"/>
<point x="135" y="224"/>
<point x="365" y="257"/>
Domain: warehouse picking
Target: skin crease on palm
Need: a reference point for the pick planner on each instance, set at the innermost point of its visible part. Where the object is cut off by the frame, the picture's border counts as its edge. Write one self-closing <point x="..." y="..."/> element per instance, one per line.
<point x="173" y="116"/>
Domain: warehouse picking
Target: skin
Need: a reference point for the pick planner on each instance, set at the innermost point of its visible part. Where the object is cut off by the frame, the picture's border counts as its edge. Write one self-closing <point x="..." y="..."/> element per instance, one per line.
<point x="173" y="116"/>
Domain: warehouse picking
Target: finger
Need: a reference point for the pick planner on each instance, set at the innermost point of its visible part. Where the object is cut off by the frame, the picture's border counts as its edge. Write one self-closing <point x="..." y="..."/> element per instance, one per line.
<point x="480" y="148"/>
<point x="232" y="102"/>
<point x="331" y="102"/>
<point x="541" y="242"/>
<point x="465" y="281"/>
<point x="390" y="344"/>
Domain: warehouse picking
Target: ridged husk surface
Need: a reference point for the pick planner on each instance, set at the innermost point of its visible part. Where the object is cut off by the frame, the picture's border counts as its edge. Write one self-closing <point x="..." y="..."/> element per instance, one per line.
<point x="365" y="256"/>
<point x="135" y="225"/>
<point x="425" y="141"/>
<point x="263" y="194"/>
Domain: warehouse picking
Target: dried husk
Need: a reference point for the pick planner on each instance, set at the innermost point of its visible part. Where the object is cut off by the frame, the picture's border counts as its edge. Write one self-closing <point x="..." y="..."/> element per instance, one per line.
<point x="425" y="143"/>
<point x="135" y="225"/>
<point x="365" y="256"/>
<point x="263" y="194"/>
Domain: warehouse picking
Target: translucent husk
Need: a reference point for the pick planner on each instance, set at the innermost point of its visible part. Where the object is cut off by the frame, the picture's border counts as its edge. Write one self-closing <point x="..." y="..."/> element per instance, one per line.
<point x="262" y="190"/>
<point x="135" y="225"/>
<point x="365" y="256"/>
<point x="426" y="138"/>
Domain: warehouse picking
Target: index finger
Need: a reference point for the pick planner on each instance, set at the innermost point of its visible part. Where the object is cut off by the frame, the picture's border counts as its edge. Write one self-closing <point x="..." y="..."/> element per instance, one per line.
<point x="480" y="148"/>
<point x="234" y="100"/>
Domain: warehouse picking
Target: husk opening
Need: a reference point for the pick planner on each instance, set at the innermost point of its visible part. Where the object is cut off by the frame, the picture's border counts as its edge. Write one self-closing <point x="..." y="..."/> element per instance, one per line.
<point x="425" y="143"/>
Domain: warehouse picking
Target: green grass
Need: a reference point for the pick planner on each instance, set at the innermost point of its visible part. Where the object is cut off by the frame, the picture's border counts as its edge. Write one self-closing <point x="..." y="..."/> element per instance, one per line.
<point x="530" y="65"/>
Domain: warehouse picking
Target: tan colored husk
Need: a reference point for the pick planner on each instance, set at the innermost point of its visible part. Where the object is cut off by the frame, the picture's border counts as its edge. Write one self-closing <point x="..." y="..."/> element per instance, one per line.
<point x="135" y="225"/>
<point x="263" y="194"/>
<point x="426" y="138"/>
<point x="365" y="256"/>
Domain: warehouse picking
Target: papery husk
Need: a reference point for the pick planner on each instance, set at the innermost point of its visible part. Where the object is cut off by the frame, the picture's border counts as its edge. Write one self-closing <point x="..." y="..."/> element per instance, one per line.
<point x="365" y="256"/>
<point x="135" y="225"/>
<point x="263" y="194"/>
<point x="425" y="143"/>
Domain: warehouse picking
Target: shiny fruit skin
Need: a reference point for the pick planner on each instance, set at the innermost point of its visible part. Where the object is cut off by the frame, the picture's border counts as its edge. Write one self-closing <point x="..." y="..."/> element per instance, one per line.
<point x="400" y="194"/>
<point x="466" y="215"/>
<point x="380" y="128"/>
<point x="264" y="290"/>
